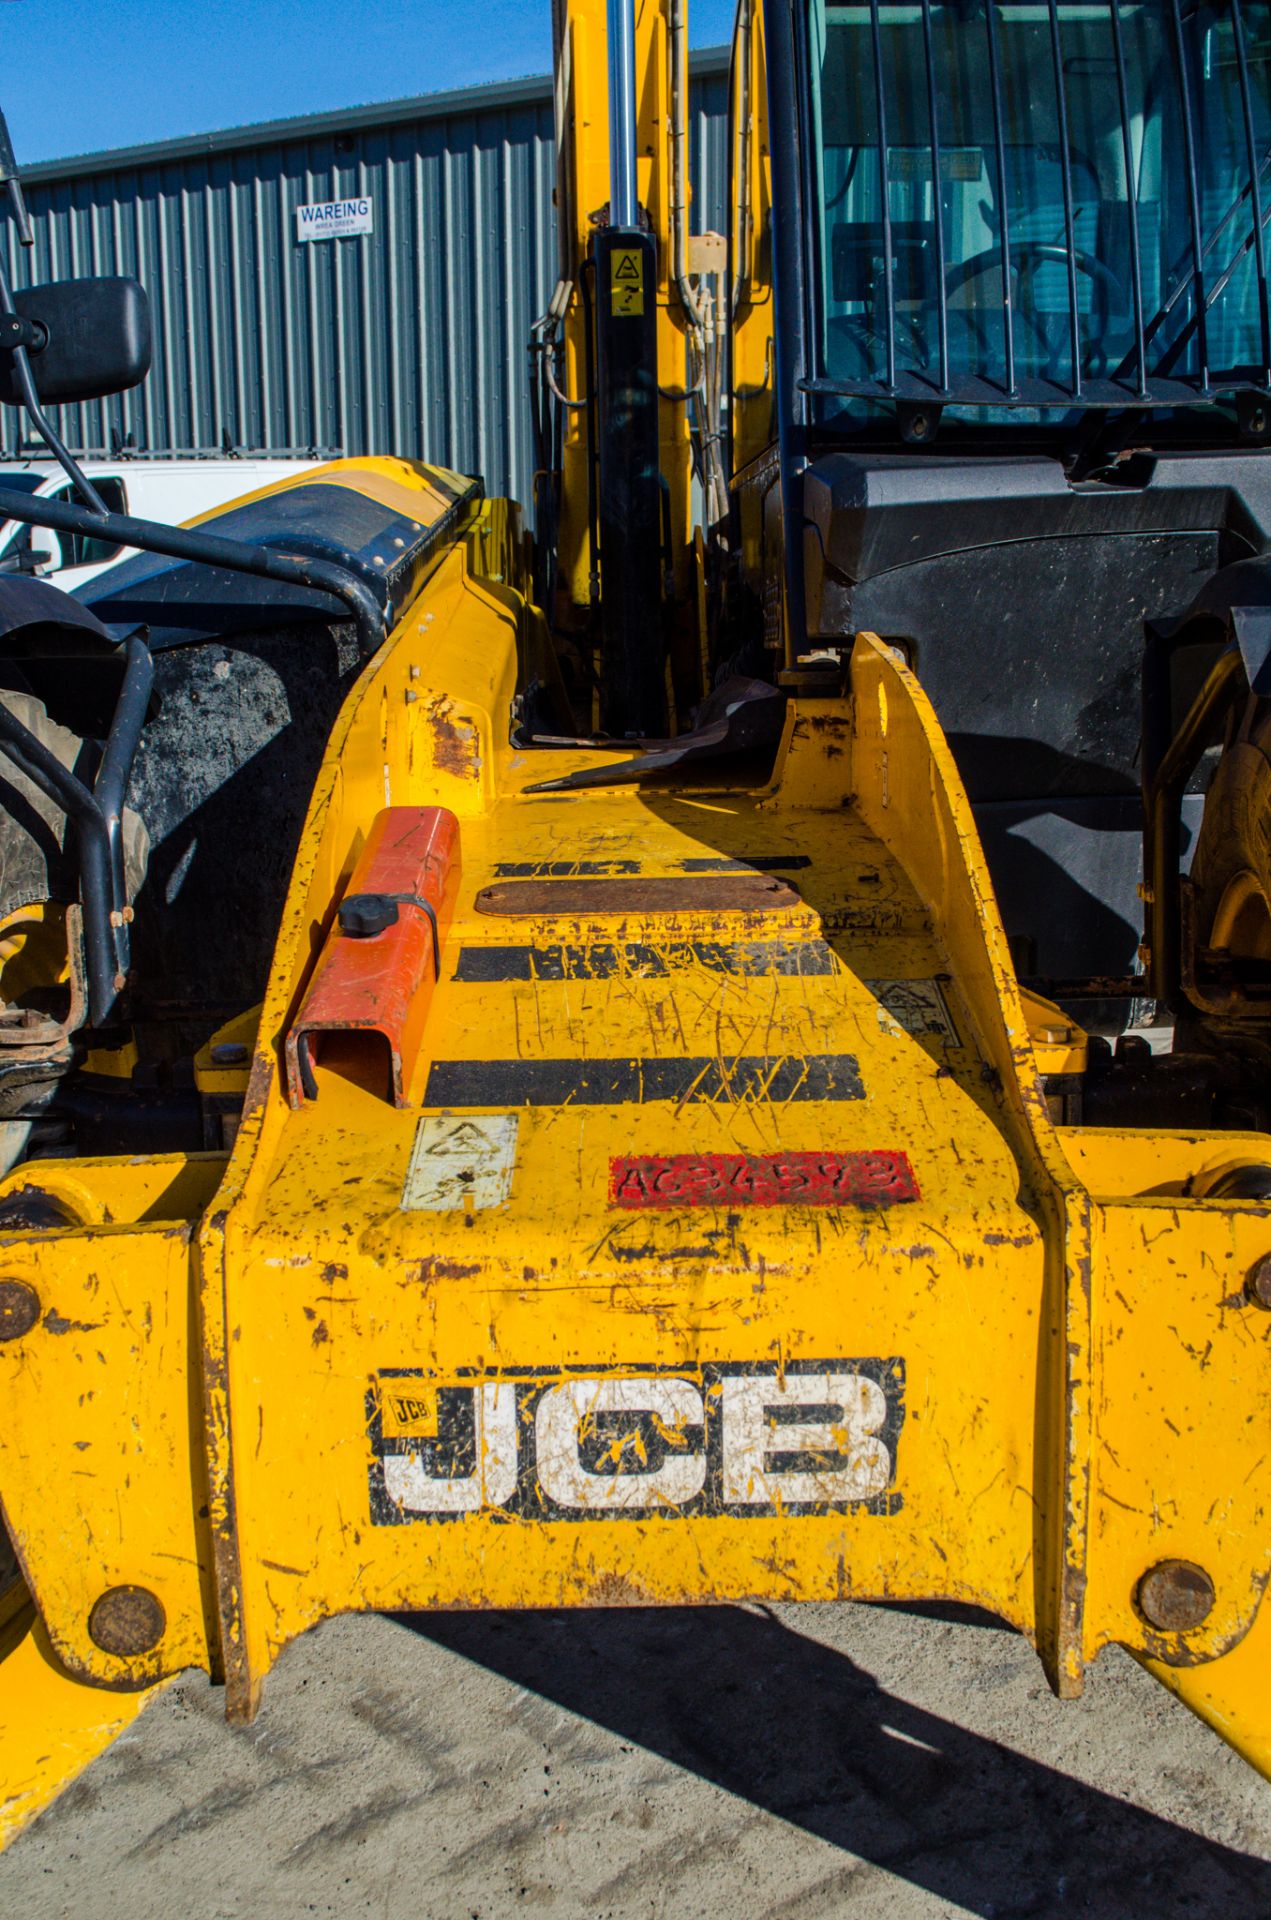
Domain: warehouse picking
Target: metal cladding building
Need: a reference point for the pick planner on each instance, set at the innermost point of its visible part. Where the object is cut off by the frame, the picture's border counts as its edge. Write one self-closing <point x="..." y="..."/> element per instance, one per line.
<point x="274" y="334"/>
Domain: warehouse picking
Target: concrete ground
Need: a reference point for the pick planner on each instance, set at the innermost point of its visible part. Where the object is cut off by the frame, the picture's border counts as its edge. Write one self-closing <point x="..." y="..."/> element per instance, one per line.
<point x="788" y="1763"/>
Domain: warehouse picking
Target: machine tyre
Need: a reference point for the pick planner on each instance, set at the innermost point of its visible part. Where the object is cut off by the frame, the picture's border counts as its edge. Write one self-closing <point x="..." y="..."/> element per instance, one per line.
<point x="1231" y="868"/>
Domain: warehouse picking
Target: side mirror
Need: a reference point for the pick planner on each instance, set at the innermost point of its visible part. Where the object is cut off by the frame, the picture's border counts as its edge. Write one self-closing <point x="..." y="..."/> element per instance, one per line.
<point x="25" y="557"/>
<point x="92" y="338"/>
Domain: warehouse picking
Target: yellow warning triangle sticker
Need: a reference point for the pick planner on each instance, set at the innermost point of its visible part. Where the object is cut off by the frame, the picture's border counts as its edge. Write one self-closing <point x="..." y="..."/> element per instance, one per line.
<point x="627" y="268"/>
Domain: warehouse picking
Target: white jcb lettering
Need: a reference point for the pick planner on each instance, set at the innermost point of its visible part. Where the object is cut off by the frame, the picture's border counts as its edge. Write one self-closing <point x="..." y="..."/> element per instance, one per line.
<point x="492" y="1481"/>
<point x="815" y="1436"/>
<point x="761" y="1422"/>
<point x="567" y="1413"/>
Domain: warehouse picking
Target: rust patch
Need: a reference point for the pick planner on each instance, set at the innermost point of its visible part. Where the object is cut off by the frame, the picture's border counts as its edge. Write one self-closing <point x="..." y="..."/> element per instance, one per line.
<point x="780" y="1569"/>
<point x="54" y="1322"/>
<point x="456" y="743"/>
<point x="433" y="1267"/>
<point x="873" y="919"/>
<point x="672" y="893"/>
<point x="646" y="1250"/>
<point x="334" y="1270"/>
<point x="611" y="1589"/>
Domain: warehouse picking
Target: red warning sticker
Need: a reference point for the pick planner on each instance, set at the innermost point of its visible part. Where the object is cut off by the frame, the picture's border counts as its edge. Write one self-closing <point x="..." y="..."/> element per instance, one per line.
<point x="882" y="1178"/>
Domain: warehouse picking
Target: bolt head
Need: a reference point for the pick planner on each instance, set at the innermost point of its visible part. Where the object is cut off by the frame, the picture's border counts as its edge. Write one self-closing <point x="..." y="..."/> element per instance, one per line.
<point x="19" y="1309"/>
<point x="1258" y="1283"/>
<point x="127" y="1621"/>
<point x="1175" y="1596"/>
<point x="229" y="1053"/>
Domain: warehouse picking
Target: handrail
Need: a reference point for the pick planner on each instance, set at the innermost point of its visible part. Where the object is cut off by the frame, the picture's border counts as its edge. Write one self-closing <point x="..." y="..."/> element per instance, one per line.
<point x="187" y="543"/>
<point x="98" y="815"/>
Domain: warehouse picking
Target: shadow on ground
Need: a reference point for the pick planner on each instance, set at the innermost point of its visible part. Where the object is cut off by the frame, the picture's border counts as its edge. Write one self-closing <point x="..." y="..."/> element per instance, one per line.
<point x="797" y="1729"/>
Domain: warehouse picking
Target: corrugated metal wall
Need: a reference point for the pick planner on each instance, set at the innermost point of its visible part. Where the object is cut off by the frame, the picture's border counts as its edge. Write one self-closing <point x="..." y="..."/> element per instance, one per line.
<point x="411" y="340"/>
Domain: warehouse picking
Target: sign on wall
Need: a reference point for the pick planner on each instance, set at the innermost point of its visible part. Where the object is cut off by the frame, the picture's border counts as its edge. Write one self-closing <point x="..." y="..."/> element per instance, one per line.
<point x="335" y="219"/>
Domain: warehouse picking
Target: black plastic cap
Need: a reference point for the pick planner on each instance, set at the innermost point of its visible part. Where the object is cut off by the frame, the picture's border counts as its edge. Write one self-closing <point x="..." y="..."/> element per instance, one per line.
<point x="365" y="914"/>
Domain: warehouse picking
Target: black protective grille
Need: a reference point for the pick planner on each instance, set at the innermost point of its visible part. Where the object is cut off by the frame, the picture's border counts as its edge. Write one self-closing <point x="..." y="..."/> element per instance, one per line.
<point x="1168" y="361"/>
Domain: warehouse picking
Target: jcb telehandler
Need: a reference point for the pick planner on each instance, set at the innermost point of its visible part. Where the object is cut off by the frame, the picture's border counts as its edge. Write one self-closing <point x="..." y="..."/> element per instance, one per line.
<point x="720" y="1048"/>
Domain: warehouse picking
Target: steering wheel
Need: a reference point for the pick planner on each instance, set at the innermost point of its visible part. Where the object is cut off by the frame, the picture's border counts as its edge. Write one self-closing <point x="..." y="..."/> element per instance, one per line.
<point x="1031" y="254"/>
<point x="1027" y="256"/>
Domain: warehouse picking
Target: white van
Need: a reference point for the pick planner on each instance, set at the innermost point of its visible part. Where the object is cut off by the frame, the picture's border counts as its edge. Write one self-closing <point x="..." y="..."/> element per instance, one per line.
<point x="172" y="491"/>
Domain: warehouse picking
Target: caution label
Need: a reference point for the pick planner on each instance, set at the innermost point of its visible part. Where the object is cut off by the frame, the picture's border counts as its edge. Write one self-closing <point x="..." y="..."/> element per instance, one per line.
<point x="626" y="284"/>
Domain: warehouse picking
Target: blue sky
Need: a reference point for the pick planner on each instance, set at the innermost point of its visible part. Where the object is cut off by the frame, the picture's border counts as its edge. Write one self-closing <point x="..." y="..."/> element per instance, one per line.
<point x="78" y="75"/>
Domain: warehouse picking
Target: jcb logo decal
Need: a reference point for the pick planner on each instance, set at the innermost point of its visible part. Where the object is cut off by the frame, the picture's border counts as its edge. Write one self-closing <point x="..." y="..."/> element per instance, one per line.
<point x="816" y="1436"/>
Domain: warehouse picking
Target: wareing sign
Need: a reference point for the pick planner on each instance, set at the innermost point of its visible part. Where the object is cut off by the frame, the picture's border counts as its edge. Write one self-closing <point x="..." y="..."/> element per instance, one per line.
<point x="336" y="219"/>
<point x="814" y="1436"/>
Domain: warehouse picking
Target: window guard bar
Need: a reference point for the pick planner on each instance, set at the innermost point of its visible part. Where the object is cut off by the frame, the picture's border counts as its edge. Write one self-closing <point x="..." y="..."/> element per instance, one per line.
<point x="1255" y="185"/>
<point x="1193" y="191"/>
<point x="937" y="206"/>
<point x="1131" y="193"/>
<point x="1065" y="167"/>
<point x="1183" y="280"/>
<point x="999" y="143"/>
<point x="884" y="183"/>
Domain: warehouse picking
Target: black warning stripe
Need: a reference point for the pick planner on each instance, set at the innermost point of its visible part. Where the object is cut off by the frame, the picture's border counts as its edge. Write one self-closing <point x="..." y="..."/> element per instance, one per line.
<point x="563" y="869"/>
<point x="743" y="862"/>
<point x="606" y="869"/>
<point x="603" y="960"/>
<point x="620" y="1083"/>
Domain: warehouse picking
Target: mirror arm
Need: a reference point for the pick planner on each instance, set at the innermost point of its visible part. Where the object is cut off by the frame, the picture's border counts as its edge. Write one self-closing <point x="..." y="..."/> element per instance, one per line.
<point x="31" y="401"/>
<point x="9" y="178"/>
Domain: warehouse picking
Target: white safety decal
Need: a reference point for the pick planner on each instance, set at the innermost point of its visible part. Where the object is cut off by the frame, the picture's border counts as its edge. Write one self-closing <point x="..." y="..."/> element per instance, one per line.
<point x="462" y="1162"/>
<point x="916" y="1005"/>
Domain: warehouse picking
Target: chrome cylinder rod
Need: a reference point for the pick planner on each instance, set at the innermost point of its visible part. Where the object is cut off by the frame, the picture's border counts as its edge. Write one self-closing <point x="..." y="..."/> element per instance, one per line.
<point x="623" y="206"/>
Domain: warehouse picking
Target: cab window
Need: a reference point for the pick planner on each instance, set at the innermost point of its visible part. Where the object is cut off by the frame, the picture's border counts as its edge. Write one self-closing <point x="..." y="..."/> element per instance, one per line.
<point x="1065" y="191"/>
